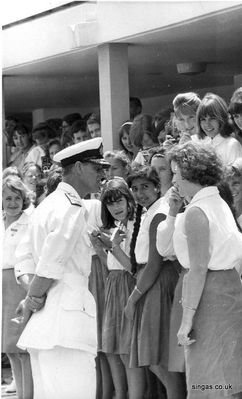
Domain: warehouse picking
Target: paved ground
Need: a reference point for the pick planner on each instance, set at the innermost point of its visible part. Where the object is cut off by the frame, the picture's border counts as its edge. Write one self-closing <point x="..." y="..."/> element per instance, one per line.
<point x="6" y="379"/>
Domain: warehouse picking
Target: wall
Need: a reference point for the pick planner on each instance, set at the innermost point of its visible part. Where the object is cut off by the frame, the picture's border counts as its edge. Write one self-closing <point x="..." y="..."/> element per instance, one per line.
<point x="150" y="105"/>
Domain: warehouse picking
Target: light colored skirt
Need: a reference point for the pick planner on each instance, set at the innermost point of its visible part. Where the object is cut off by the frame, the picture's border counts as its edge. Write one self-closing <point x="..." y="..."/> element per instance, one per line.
<point x="215" y="359"/>
<point x="12" y="294"/>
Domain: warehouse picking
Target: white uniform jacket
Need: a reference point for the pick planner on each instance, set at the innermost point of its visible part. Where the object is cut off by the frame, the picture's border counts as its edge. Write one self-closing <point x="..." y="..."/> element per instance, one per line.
<point x="57" y="246"/>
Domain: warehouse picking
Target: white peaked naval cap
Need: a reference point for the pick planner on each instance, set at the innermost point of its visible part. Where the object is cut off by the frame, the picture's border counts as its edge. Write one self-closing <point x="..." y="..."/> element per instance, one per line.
<point x="86" y="151"/>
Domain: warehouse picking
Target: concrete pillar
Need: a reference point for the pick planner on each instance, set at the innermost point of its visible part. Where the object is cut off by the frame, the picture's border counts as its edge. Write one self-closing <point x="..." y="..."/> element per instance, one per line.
<point x="114" y="91"/>
<point x="38" y="115"/>
<point x="237" y="81"/>
<point x="5" y="150"/>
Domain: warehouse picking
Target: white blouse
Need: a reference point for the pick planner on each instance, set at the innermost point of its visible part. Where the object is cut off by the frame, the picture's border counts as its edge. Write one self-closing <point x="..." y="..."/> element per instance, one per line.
<point x="143" y="239"/>
<point x="227" y="148"/>
<point x="225" y="248"/>
<point x="112" y="262"/>
<point x="11" y="237"/>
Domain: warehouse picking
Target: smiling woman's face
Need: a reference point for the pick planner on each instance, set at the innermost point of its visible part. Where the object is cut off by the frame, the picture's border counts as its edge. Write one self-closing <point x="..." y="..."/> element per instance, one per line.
<point x="12" y="202"/>
<point x="21" y="139"/>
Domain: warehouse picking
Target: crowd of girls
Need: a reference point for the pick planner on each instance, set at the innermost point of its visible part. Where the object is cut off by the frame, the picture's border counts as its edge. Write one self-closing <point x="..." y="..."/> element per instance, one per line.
<point x="168" y="254"/>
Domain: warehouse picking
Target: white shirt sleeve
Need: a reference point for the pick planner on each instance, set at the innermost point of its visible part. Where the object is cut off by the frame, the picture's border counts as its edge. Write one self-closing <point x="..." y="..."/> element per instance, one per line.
<point x="23" y="253"/>
<point x="164" y="237"/>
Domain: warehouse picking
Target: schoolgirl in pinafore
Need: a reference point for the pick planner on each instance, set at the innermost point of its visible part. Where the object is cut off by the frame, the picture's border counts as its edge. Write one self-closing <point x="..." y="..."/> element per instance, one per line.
<point x="119" y="285"/>
<point x="149" y="305"/>
<point x="118" y="207"/>
<point x="150" y="333"/>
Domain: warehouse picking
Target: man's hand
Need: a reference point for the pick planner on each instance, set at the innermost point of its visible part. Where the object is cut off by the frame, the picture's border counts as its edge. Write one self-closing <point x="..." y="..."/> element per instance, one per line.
<point x="28" y="306"/>
<point x="23" y="314"/>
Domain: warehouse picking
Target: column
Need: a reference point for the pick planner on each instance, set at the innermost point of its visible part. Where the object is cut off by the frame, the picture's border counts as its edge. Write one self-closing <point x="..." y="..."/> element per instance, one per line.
<point x="114" y="91"/>
<point x="5" y="151"/>
<point x="38" y="115"/>
<point x="237" y="81"/>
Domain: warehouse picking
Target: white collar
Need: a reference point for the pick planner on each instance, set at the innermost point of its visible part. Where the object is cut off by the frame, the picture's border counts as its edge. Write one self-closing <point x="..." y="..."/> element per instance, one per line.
<point x="218" y="139"/>
<point x="205" y="192"/>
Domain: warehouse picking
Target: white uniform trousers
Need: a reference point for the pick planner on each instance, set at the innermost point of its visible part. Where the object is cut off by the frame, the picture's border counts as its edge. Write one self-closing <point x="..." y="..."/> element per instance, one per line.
<point x="62" y="373"/>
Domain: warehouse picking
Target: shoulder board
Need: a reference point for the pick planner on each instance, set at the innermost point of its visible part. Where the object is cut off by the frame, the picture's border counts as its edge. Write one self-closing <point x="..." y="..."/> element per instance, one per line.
<point x="73" y="199"/>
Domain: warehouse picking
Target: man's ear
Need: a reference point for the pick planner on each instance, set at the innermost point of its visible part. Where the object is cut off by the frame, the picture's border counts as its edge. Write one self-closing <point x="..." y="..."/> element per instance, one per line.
<point x="79" y="168"/>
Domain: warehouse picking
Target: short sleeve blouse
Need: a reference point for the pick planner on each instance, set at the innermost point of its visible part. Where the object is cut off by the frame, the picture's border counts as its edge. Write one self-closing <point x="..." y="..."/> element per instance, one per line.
<point x="225" y="247"/>
<point x="143" y="240"/>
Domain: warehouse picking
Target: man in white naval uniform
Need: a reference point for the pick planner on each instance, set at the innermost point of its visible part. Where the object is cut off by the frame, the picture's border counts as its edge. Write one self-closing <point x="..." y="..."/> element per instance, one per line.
<point x="61" y="336"/>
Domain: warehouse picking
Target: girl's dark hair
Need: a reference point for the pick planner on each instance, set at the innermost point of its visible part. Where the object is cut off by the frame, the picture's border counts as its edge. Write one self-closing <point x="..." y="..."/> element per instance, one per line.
<point x="53" y="142"/>
<point x="214" y="106"/>
<point x="78" y="125"/>
<point x="235" y="107"/>
<point x="145" y="172"/>
<point x="113" y="191"/>
<point x="125" y="128"/>
<point x="149" y="173"/>
<point x="71" y="118"/>
<point x="142" y="124"/>
<point x="21" y="128"/>
<point x="133" y="262"/>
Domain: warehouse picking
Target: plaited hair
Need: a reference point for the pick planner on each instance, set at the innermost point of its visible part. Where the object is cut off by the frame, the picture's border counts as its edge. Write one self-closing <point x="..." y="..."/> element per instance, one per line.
<point x="133" y="261"/>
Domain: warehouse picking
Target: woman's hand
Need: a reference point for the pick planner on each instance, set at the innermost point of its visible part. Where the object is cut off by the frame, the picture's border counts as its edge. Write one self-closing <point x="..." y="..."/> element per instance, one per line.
<point x="129" y="309"/>
<point x="175" y="201"/>
<point x="184" y="334"/>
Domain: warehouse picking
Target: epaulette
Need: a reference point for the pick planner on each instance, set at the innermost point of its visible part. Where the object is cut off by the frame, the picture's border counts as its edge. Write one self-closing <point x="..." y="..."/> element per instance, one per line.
<point x="73" y="199"/>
